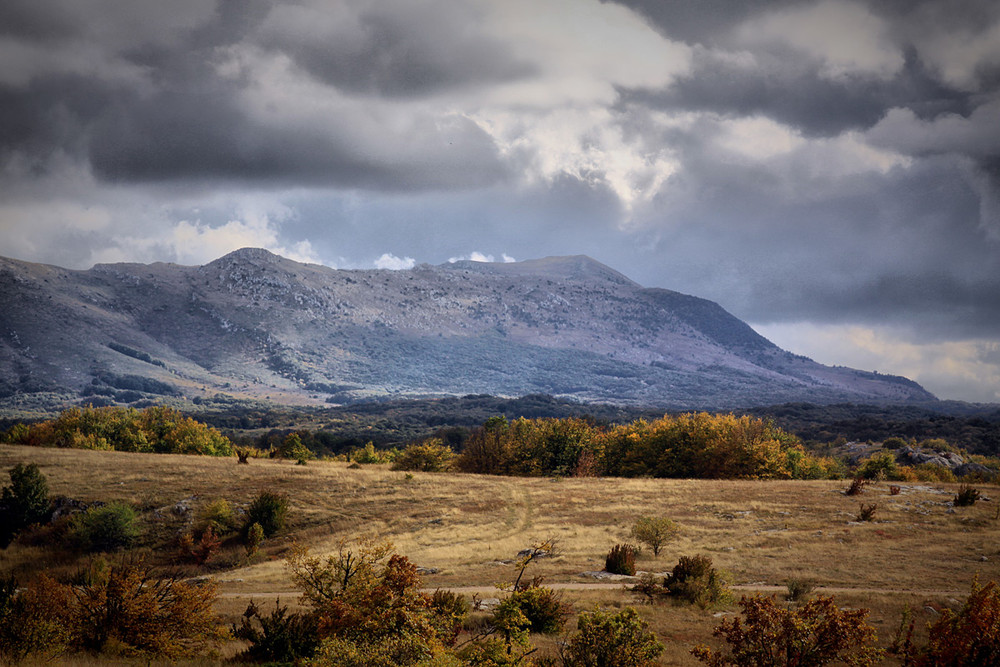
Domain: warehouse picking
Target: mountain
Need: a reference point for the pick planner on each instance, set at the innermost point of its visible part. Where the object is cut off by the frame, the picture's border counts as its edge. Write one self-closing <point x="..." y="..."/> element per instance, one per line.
<point x="256" y="325"/>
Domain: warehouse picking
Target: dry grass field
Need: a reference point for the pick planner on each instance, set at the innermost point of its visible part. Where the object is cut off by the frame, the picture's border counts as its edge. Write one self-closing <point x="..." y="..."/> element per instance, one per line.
<point x="919" y="552"/>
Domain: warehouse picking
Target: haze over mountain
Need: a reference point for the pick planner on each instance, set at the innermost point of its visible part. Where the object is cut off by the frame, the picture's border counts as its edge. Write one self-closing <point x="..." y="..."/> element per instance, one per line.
<point x="256" y="325"/>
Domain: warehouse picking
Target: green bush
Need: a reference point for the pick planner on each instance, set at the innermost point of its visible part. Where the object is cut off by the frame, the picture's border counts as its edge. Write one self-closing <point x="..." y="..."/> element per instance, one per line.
<point x="607" y="639"/>
<point x="24" y="502"/>
<point x="654" y="532"/>
<point x="879" y="466"/>
<point x="279" y="637"/>
<point x="268" y="509"/>
<point x="621" y="560"/>
<point x="694" y="580"/>
<point x="543" y="608"/>
<point x="106" y="527"/>
<point x="219" y="516"/>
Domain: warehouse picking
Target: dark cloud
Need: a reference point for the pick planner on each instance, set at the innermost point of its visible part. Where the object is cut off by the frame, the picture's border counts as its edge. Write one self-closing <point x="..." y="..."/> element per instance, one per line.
<point x="392" y="49"/>
<point x="791" y="90"/>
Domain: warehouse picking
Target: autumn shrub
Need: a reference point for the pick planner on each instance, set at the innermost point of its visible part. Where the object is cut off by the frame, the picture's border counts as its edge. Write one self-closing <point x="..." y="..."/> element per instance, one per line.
<point x="654" y="532"/>
<point x="198" y="551"/>
<point x="369" y="606"/>
<point x="270" y="510"/>
<point x="857" y="486"/>
<point x="867" y="512"/>
<point x="895" y="490"/>
<point x="967" y="496"/>
<point x="34" y="620"/>
<point x="969" y="637"/>
<point x="24" y="502"/>
<point x="278" y="637"/>
<point x="428" y="456"/>
<point x="106" y="527"/>
<point x="611" y="639"/>
<point x="130" y="609"/>
<point x="254" y="538"/>
<point x="621" y="560"/>
<point x="816" y="633"/>
<point x="696" y="581"/>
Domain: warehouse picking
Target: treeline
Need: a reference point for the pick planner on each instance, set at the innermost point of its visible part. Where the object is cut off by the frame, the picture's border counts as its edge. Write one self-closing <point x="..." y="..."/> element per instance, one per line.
<point x="154" y="429"/>
<point x="694" y="445"/>
<point x="966" y="426"/>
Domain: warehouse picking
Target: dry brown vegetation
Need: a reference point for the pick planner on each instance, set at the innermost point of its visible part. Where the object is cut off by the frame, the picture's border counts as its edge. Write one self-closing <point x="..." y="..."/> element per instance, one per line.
<point x="918" y="552"/>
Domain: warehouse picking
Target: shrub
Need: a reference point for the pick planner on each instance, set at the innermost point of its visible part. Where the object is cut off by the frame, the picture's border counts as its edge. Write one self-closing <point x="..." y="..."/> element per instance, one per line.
<point x="543" y="608"/>
<point x="129" y="607"/>
<point x="292" y="448"/>
<point x="253" y="540"/>
<point x="268" y="509"/>
<point x="654" y="532"/>
<point x="243" y="455"/>
<point x="894" y="490"/>
<point x="694" y="580"/>
<point x="867" y="512"/>
<point x="606" y="639"/>
<point x="621" y="560"/>
<point x="24" y="502"/>
<point x="894" y="443"/>
<point x="106" y="527"/>
<point x="199" y="552"/>
<point x="798" y="589"/>
<point x="34" y="620"/>
<point x="857" y="486"/>
<point x="450" y="611"/>
<point x="817" y="633"/>
<point x="219" y="516"/>
<point x="369" y="605"/>
<point x="967" y="496"/>
<point x="879" y="466"/>
<point x="279" y="637"/>
<point x="970" y="637"/>
<point x="430" y="456"/>
<point x="368" y="455"/>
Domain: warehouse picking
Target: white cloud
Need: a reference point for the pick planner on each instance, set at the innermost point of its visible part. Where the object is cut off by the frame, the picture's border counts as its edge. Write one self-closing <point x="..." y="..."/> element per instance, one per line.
<point x="846" y="36"/>
<point x="476" y="256"/>
<point x="959" y="369"/>
<point x="393" y="263"/>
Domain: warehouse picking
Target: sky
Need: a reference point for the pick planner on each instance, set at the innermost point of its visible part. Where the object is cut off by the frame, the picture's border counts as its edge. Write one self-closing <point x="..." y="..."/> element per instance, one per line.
<point x="827" y="171"/>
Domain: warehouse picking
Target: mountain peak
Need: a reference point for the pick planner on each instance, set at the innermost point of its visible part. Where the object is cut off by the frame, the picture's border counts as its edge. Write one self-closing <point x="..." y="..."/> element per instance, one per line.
<point x="560" y="267"/>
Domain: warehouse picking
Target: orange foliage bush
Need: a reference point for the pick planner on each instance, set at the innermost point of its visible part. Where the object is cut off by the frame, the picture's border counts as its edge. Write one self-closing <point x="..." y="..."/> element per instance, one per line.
<point x="817" y="633"/>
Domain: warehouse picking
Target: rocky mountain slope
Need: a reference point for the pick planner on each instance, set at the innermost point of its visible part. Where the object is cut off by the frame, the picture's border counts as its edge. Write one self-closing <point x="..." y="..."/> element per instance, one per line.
<point x="255" y="325"/>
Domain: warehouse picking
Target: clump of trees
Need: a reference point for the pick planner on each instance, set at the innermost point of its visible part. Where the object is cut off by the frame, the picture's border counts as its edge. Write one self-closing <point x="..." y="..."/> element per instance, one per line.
<point x="695" y="445"/>
<point x="156" y="429"/>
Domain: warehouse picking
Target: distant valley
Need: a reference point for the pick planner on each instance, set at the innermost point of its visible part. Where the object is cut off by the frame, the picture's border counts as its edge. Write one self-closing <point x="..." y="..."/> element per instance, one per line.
<point x="253" y="325"/>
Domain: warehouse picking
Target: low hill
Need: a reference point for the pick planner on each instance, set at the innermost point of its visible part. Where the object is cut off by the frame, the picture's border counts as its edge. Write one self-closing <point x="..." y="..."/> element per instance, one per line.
<point x="259" y="326"/>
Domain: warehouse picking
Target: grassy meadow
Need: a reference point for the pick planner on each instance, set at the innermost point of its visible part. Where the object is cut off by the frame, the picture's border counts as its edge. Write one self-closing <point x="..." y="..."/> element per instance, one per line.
<point x="919" y="552"/>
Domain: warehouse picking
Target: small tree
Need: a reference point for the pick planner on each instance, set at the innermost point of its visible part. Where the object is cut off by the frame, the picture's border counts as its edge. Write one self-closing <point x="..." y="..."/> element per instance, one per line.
<point x="654" y="532"/>
<point x="24" y="502"/>
<point x="815" y="634"/>
<point x="694" y="580"/>
<point x="607" y="639"/>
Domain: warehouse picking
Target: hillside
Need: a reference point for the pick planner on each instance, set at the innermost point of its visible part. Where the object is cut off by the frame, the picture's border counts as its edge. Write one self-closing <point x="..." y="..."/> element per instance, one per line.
<point x="256" y="325"/>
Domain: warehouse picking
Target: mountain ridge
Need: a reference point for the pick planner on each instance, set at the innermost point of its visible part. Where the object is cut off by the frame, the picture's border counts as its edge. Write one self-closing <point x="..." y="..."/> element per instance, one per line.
<point x="252" y="324"/>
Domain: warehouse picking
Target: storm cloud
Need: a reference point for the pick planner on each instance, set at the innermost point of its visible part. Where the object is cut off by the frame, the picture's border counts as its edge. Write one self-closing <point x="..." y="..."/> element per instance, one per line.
<point x="828" y="170"/>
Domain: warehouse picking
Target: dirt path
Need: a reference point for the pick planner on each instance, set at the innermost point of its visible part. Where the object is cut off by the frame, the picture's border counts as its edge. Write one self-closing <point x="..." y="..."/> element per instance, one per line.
<point x="493" y="591"/>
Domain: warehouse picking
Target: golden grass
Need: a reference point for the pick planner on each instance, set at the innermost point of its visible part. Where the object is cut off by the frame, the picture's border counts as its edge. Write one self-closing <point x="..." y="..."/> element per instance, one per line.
<point x="917" y="552"/>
